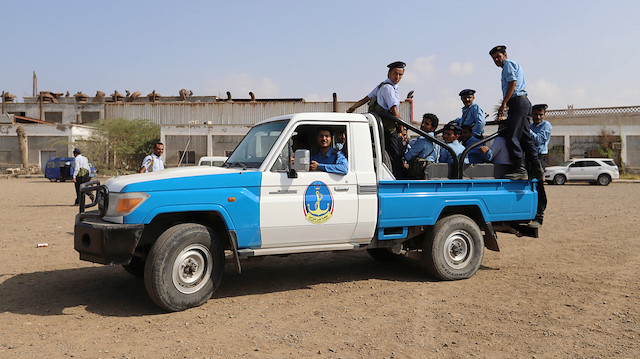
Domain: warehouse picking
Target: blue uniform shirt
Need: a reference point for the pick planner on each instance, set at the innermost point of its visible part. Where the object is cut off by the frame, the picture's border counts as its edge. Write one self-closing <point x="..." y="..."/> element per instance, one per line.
<point x="333" y="162"/>
<point x="387" y="96"/>
<point x="475" y="156"/>
<point x="474" y="117"/>
<point x="541" y="135"/>
<point x="423" y="148"/>
<point x="445" y="156"/>
<point x="511" y="71"/>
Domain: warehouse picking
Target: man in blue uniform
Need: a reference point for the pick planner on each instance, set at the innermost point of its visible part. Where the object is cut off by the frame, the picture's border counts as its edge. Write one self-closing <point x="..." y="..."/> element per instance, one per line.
<point x="385" y="99"/>
<point x="472" y="114"/>
<point x="450" y="136"/>
<point x="517" y="134"/>
<point x="467" y="139"/>
<point x="541" y="133"/>
<point x="328" y="159"/>
<point x="422" y="147"/>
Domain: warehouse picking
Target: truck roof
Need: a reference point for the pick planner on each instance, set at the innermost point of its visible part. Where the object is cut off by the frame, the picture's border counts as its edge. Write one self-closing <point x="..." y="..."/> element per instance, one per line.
<point x="319" y="116"/>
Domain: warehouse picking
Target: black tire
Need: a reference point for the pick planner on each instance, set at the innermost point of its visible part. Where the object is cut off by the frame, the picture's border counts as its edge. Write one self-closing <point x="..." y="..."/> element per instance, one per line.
<point x="384" y="254"/>
<point x="184" y="267"/>
<point x="453" y="249"/>
<point x="604" y="179"/>
<point x="135" y="267"/>
<point x="559" y="179"/>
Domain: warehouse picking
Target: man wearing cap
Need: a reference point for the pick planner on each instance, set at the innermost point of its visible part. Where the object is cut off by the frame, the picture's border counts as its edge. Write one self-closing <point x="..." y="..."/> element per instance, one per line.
<point x="385" y="98"/>
<point x="81" y="173"/>
<point x="450" y="136"/>
<point x="472" y="114"/>
<point x="153" y="162"/>
<point x="541" y="133"/>
<point x="468" y="139"/>
<point x="514" y="94"/>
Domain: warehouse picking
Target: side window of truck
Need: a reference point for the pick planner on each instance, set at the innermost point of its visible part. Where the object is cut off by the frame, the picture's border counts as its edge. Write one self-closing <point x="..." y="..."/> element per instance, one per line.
<point x="305" y="137"/>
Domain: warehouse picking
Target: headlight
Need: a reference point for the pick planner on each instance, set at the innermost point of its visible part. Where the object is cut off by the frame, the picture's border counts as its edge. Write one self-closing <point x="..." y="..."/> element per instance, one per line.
<point x="121" y="204"/>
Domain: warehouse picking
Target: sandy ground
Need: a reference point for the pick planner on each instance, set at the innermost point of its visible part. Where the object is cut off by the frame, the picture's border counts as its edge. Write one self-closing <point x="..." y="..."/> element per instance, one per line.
<point x="573" y="293"/>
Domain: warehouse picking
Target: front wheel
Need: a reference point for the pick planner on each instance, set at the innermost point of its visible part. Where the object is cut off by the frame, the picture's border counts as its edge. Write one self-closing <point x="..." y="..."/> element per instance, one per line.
<point x="454" y="248"/>
<point x="559" y="179"/>
<point x="604" y="180"/>
<point x="184" y="267"/>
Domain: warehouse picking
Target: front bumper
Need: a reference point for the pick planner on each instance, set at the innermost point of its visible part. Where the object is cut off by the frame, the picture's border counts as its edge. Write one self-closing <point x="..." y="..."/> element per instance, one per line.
<point x="105" y="242"/>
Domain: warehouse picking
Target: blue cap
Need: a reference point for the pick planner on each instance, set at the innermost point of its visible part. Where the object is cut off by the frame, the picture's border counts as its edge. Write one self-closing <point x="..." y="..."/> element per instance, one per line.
<point x="499" y="48"/>
<point x="466" y="92"/>
<point x="75" y="150"/>
<point x="452" y="126"/>
<point x="397" y="65"/>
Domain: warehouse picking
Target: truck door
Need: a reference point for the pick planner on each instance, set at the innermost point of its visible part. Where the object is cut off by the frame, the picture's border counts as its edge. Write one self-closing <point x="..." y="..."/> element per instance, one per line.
<point x="314" y="208"/>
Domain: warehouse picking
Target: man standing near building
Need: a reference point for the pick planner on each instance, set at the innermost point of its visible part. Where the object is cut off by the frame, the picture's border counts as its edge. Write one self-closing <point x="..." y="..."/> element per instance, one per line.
<point x="81" y="173"/>
<point x="472" y="114"/>
<point x="541" y="133"/>
<point x="385" y="99"/>
<point x="153" y="162"/>
<point x="517" y="134"/>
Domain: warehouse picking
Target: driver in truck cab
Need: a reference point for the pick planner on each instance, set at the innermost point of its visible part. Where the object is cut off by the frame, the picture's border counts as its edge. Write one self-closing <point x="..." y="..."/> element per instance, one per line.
<point x="328" y="159"/>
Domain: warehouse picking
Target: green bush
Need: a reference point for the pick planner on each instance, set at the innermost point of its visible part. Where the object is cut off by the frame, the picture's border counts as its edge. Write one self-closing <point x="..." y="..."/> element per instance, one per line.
<point x="121" y="144"/>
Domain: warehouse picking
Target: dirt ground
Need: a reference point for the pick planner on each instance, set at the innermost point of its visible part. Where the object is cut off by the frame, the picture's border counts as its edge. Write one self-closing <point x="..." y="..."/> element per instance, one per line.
<point x="572" y="293"/>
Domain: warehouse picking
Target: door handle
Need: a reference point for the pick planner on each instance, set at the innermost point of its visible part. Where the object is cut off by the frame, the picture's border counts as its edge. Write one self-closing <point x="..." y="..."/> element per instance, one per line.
<point x="341" y="189"/>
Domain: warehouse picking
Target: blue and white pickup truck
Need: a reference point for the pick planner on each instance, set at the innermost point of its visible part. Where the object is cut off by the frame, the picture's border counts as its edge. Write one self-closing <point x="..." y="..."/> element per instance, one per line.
<point x="177" y="227"/>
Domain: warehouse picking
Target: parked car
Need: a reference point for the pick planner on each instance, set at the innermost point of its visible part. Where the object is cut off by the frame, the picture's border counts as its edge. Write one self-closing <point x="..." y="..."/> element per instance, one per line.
<point x="212" y="161"/>
<point x="593" y="170"/>
<point x="61" y="169"/>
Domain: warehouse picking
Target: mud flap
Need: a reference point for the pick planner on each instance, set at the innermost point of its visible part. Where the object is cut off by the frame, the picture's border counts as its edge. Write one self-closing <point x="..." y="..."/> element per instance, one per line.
<point x="490" y="238"/>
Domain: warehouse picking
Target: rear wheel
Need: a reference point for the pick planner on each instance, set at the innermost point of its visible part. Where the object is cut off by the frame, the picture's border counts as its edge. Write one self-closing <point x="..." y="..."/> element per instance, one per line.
<point x="184" y="267"/>
<point x="454" y="248"/>
<point x="559" y="179"/>
<point x="604" y="179"/>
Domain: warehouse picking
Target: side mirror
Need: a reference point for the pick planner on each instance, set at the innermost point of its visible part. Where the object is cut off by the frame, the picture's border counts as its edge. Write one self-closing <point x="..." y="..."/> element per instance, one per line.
<point x="302" y="160"/>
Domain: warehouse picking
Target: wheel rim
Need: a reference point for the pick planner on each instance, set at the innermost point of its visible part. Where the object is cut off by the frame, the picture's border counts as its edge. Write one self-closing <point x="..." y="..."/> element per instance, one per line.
<point x="192" y="268"/>
<point x="604" y="180"/>
<point x="458" y="249"/>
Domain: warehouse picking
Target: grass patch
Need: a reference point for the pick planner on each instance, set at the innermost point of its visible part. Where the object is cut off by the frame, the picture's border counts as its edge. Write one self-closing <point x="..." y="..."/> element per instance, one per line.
<point x="630" y="176"/>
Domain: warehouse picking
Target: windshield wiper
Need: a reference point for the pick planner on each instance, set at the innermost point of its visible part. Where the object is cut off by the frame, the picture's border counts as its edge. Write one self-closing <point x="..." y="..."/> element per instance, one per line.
<point x="236" y="164"/>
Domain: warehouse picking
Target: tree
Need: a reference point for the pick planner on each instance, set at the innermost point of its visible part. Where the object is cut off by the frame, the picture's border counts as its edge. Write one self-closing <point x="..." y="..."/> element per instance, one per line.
<point x="605" y="143"/>
<point x="121" y="144"/>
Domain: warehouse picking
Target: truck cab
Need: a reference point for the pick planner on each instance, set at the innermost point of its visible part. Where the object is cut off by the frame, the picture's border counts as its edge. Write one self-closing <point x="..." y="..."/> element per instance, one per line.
<point x="175" y="227"/>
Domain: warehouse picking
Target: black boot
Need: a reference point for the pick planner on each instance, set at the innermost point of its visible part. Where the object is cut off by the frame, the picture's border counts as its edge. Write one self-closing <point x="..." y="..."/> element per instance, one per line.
<point x="517" y="172"/>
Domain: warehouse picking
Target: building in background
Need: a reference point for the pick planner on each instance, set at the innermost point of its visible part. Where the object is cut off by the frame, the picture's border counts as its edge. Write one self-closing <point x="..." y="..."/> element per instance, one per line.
<point x="197" y="126"/>
<point x="191" y="126"/>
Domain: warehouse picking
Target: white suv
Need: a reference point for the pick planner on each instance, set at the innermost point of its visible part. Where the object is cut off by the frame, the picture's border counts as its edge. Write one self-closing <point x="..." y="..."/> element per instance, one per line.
<point x="594" y="170"/>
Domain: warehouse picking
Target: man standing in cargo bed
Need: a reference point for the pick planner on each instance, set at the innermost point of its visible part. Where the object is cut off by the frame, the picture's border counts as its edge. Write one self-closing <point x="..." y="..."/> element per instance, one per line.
<point x="385" y="99"/>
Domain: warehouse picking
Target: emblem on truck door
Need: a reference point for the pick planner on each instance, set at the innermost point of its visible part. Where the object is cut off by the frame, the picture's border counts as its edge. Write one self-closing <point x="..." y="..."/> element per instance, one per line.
<point x="318" y="203"/>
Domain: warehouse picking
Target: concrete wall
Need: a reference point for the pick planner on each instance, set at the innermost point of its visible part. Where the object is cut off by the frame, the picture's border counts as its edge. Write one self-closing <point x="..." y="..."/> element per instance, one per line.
<point x="43" y="140"/>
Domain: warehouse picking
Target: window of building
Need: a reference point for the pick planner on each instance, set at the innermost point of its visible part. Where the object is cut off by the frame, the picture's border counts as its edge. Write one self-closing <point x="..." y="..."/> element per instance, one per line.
<point x="55" y="117"/>
<point x="90" y="116"/>
<point x="188" y="159"/>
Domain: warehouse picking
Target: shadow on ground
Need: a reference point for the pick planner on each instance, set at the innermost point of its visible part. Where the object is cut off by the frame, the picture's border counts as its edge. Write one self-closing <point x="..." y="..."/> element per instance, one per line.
<point x="110" y="291"/>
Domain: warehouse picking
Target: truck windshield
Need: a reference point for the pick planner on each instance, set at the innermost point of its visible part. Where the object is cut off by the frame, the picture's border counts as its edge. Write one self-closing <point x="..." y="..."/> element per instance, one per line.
<point x="256" y="145"/>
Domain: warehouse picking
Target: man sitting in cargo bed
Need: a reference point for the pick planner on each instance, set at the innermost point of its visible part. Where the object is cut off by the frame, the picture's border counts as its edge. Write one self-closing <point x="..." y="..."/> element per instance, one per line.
<point x="328" y="159"/>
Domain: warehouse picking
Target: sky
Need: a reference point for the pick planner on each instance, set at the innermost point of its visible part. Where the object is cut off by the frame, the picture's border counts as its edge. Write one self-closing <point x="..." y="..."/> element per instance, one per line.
<point x="580" y="53"/>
